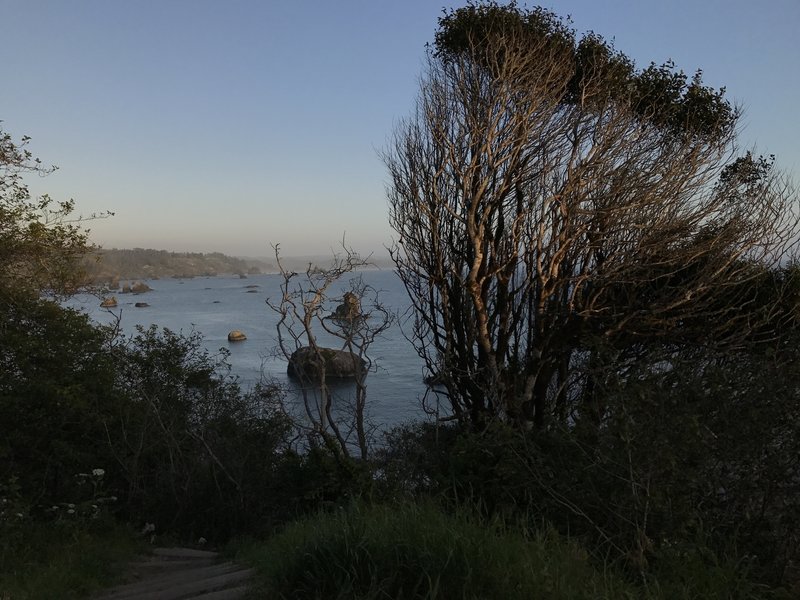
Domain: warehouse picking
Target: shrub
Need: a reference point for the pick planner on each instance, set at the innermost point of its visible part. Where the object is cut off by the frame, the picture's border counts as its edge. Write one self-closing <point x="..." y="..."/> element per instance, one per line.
<point x="418" y="551"/>
<point x="701" y="455"/>
<point x="56" y="375"/>
<point x="197" y="455"/>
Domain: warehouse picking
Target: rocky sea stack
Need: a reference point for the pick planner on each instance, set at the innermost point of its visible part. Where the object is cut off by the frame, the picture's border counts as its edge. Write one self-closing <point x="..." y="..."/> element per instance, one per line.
<point x="307" y="363"/>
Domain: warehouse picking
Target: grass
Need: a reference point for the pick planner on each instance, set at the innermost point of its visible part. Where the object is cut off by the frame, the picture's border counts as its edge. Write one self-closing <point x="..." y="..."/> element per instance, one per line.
<point x="417" y="551"/>
<point x="62" y="560"/>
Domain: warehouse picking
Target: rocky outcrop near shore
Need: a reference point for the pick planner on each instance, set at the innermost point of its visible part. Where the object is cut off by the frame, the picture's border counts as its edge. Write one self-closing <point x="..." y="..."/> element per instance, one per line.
<point x="140" y="287"/>
<point x="349" y="309"/>
<point x="308" y="363"/>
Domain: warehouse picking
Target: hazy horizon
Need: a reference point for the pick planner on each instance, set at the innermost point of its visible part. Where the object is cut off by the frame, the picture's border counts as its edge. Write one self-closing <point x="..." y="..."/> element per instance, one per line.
<point x="229" y="127"/>
<point x="260" y="257"/>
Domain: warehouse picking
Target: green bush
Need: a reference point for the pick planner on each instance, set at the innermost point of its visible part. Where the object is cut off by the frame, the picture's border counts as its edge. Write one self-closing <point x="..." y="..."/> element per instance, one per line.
<point x="197" y="455"/>
<point x="703" y="456"/>
<point x="63" y="559"/>
<point x="56" y="376"/>
<point x="179" y="443"/>
<point x="418" y="551"/>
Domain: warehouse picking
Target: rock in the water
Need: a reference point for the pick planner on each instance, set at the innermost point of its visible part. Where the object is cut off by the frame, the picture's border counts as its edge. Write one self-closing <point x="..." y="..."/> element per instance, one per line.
<point x="349" y="309"/>
<point x="306" y="363"/>
<point x="141" y="305"/>
<point x="109" y="302"/>
<point x="236" y="336"/>
<point x="140" y="288"/>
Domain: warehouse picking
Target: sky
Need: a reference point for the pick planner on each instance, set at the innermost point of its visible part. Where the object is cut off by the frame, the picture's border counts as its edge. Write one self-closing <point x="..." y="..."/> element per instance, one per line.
<point x="234" y="125"/>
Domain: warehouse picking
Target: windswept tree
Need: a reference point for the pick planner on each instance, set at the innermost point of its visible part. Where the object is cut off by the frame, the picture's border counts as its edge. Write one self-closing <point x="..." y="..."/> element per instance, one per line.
<point x="41" y="241"/>
<point x="549" y="197"/>
<point x="306" y="324"/>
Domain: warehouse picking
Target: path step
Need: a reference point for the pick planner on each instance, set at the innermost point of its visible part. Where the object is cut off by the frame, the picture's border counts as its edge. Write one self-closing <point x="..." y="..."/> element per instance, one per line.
<point x="183" y="573"/>
<point x="181" y="553"/>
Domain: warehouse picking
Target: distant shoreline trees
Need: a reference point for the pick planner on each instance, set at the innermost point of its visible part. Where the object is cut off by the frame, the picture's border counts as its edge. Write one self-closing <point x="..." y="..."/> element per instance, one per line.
<point x="109" y="265"/>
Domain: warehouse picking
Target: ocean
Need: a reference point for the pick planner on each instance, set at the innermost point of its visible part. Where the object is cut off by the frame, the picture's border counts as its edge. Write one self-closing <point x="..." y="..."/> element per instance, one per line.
<point x="214" y="306"/>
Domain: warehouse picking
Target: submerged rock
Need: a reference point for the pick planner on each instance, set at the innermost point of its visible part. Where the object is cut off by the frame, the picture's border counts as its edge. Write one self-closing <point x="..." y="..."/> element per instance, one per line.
<point x="109" y="302"/>
<point x="141" y="305"/>
<point x="340" y="364"/>
<point x="140" y="288"/>
<point x="349" y="309"/>
<point x="236" y="336"/>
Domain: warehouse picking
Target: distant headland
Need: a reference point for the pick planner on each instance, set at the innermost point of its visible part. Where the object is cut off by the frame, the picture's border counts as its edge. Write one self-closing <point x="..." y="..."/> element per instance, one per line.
<point x="111" y="266"/>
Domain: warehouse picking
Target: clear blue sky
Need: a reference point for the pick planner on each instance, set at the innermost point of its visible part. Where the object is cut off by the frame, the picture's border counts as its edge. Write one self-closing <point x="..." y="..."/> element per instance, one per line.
<point x="231" y="125"/>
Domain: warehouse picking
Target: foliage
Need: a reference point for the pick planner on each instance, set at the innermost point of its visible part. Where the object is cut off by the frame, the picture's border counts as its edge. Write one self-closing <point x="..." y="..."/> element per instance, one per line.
<point x="180" y="444"/>
<point x="196" y="454"/>
<point x="110" y="265"/>
<point x="63" y="559"/>
<point x="417" y="551"/>
<point x="698" y="456"/>
<point x="597" y="74"/>
<point x="307" y="321"/>
<point x="56" y="377"/>
<point x="40" y="242"/>
<point x="546" y="194"/>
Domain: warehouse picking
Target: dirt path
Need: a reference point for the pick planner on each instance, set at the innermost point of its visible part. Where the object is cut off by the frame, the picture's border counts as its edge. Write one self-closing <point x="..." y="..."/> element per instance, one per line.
<point x="178" y="573"/>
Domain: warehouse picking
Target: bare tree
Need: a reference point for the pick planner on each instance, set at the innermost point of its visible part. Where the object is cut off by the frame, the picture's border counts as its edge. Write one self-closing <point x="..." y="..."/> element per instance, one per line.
<point x="306" y="314"/>
<point x="545" y="193"/>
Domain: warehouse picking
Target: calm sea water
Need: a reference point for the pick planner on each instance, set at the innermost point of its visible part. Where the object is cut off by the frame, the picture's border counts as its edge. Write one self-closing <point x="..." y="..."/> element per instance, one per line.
<point x="214" y="306"/>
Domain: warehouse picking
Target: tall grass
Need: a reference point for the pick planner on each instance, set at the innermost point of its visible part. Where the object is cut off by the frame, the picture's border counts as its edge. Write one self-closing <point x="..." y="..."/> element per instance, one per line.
<point x="417" y="551"/>
<point x="62" y="560"/>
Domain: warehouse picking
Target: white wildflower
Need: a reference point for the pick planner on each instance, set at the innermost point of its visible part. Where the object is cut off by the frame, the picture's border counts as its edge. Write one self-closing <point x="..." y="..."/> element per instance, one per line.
<point x="98" y="472"/>
<point x="71" y="511"/>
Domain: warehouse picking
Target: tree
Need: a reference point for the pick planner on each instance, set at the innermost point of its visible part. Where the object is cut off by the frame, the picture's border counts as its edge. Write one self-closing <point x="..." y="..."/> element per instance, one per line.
<point x="549" y="199"/>
<point x="305" y="324"/>
<point x="55" y="371"/>
<point x="40" y="243"/>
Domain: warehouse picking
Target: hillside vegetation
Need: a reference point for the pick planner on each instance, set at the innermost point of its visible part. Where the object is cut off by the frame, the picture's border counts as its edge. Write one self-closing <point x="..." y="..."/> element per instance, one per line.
<point x="109" y="266"/>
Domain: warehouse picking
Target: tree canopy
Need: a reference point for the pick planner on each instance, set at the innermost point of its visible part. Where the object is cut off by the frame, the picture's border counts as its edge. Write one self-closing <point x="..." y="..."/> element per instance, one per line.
<point x="550" y="199"/>
<point x="496" y="36"/>
<point x="40" y="243"/>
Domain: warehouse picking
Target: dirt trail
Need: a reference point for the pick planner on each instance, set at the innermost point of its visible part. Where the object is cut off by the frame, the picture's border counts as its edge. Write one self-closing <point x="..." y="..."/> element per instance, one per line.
<point x="179" y="573"/>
